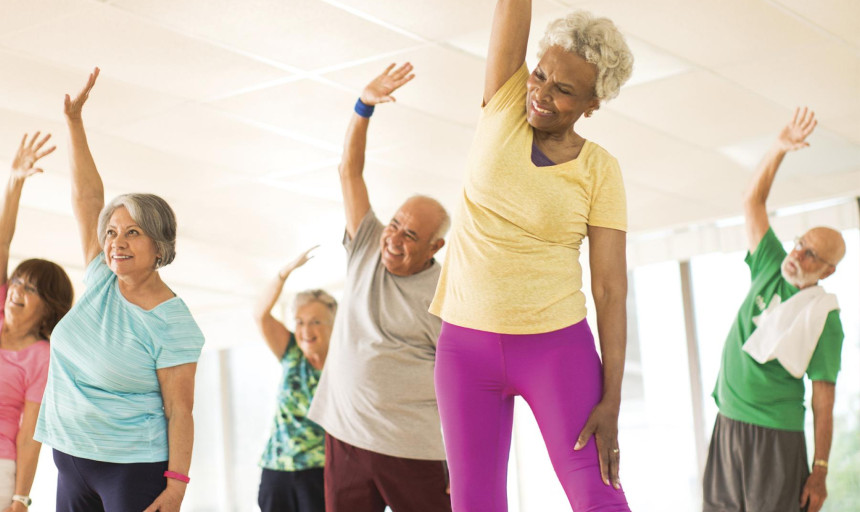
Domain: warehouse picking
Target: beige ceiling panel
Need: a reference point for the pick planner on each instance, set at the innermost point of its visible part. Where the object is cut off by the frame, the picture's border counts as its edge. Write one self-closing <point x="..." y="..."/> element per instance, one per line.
<point x="35" y="87"/>
<point x="710" y="32"/>
<point x="200" y="133"/>
<point x="306" y="35"/>
<point x="700" y="108"/>
<point x="668" y="210"/>
<point x="133" y="50"/>
<point x="840" y="18"/>
<point x="21" y="15"/>
<point x="307" y="107"/>
<point x="447" y="84"/>
<point x="826" y="77"/>
<point x="846" y="126"/>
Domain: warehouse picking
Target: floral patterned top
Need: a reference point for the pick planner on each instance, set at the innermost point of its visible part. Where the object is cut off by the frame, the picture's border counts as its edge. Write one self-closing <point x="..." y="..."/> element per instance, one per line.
<point x="296" y="442"/>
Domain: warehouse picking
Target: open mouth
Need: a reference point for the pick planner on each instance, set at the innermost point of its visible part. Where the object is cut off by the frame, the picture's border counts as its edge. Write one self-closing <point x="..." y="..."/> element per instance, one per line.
<point x="539" y="110"/>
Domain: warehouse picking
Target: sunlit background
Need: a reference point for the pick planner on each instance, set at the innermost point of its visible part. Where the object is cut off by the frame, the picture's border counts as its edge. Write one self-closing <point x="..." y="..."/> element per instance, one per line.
<point x="235" y="112"/>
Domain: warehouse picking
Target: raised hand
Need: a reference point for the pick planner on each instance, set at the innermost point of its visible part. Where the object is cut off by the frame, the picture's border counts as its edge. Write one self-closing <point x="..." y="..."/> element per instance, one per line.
<point x="380" y="89"/>
<point x="794" y="135"/>
<point x="73" y="107"/>
<point x="28" y="154"/>
<point x="296" y="263"/>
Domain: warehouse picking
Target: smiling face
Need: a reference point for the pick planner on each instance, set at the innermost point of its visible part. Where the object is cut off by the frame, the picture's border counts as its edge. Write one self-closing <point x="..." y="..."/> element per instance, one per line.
<point x="560" y="90"/>
<point x="24" y="307"/>
<point x="407" y="243"/>
<point x="813" y="258"/>
<point x="128" y="250"/>
<point x="314" y="322"/>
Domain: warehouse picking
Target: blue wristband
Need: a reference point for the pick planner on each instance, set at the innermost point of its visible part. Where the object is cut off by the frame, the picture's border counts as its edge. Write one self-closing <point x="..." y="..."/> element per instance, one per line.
<point x="363" y="109"/>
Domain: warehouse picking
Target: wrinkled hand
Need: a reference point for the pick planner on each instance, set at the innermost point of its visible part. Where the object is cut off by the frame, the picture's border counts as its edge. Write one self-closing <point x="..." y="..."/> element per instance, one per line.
<point x="380" y="89"/>
<point x="793" y="136"/>
<point x="73" y="107"/>
<point x="169" y="500"/>
<point x="296" y="263"/>
<point x="28" y="154"/>
<point x="814" y="491"/>
<point x="603" y="425"/>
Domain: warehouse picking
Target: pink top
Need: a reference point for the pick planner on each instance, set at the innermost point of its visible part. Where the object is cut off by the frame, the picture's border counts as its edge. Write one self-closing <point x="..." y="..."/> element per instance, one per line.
<point x="23" y="375"/>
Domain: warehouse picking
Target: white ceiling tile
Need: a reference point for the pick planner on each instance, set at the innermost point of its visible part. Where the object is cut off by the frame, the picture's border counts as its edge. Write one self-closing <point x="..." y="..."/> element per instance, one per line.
<point x="826" y="77"/>
<point x="21" y="15"/>
<point x="839" y="17"/>
<point x="448" y="83"/>
<point x="701" y="108"/>
<point x="130" y="49"/>
<point x="201" y="133"/>
<point x="35" y="87"/>
<point x="846" y="126"/>
<point x="710" y="32"/>
<point x="310" y="36"/>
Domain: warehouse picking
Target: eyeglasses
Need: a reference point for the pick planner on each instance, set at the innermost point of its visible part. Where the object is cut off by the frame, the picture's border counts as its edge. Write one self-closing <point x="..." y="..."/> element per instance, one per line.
<point x="28" y="288"/>
<point x="800" y="246"/>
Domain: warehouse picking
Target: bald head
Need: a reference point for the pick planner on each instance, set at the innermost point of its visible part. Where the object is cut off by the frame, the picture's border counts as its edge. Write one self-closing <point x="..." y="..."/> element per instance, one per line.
<point x="431" y="213"/>
<point x="827" y="243"/>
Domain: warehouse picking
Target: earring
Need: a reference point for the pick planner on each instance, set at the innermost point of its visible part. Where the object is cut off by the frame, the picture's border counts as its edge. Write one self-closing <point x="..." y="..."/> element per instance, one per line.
<point x="157" y="261"/>
<point x="588" y="113"/>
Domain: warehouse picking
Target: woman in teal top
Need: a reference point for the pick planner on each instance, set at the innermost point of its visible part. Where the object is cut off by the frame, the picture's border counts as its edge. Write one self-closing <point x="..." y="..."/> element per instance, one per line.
<point x="292" y="479"/>
<point x="117" y="406"/>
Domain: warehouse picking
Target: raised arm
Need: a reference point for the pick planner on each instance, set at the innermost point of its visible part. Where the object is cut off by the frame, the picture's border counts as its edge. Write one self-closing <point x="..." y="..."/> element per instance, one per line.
<point x="275" y="333"/>
<point x="356" y="202"/>
<point x="791" y="138"/>
<point x="22" y="168"/>
<point x="608" y="260"/>
<point x="509" y="41"/>
<point x="88" y="193"/>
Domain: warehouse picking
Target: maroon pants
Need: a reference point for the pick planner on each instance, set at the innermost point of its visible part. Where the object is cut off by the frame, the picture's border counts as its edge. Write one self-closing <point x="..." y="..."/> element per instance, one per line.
<point x="359" y="480"/>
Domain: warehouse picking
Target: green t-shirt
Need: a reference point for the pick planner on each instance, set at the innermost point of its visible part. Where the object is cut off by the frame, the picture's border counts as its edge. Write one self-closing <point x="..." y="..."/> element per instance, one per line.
<point x="296" y="442"/>
<point x="766" y="394"/>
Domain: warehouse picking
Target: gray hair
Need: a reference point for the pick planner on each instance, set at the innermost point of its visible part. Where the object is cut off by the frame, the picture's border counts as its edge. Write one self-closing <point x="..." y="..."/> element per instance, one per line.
<point x="598" y="41"/>
<point x="154" y="216"/>
<point x="444" y="218"/>
<point x="306" y="297"/>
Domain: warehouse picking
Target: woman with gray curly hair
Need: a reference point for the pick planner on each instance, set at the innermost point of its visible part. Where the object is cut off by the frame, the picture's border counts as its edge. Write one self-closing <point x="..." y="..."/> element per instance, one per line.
<point x="293" y="461"/>
<point x="117" y="406"/>
<point x="510" y="290"/>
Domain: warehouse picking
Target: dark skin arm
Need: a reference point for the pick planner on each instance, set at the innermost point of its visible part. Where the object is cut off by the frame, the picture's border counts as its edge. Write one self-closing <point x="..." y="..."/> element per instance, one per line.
<point x="608" y="257"/>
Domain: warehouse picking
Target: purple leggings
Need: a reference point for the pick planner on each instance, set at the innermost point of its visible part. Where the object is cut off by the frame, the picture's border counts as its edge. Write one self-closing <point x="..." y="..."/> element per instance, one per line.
<point x="558" y="374"/>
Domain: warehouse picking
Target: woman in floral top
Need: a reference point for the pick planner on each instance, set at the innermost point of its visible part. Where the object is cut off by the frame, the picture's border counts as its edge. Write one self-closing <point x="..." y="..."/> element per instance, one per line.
<point x="294" y="457"/>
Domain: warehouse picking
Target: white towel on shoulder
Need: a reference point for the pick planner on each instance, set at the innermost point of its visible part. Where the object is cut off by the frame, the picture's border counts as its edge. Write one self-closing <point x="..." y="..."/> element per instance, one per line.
<point x="789" y="331"/>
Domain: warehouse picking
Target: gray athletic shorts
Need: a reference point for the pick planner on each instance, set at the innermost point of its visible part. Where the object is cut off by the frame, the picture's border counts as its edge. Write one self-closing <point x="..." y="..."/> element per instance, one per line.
<point x="754" y="469"/>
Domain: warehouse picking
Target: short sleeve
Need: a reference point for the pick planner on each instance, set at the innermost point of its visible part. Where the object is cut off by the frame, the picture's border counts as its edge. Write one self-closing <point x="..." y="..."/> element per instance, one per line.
<point x="827" y="358"/>
<point x="180" y="341"/>
<point x="97" y="271"/>
<point x="511" y="94"/>
<point x="367" y="235"/>
<point x="37" y="374"/>
<point x="290" y="344"/>
<point x="768" y="255"/>
<point x="608" y="199"/>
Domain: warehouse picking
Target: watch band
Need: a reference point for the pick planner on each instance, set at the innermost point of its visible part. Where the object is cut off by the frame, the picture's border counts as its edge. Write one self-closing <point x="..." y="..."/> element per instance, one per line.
<point x="20" y="498"/>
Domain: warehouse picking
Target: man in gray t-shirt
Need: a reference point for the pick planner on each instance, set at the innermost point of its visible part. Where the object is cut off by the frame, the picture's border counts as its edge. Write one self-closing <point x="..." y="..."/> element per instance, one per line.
<point x="376" y="398"/>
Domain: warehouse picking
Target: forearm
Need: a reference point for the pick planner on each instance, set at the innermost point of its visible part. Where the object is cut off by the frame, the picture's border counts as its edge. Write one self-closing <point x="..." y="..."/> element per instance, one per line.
<point x="611" y="306"/>
<point x="270" y="295"/>
<point x="87" y="186"/>
<point x="759" y="189"/>
<point x="823" y="397"/>
<point x="180" y="439"/>
<point x="11" y="202"/>
<point x="355" y="198"/>
<point x="26" y="461"/>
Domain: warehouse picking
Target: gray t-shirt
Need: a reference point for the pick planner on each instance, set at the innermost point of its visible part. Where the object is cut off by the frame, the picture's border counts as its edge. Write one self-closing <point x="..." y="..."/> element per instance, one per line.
<point x="376" y="390"/>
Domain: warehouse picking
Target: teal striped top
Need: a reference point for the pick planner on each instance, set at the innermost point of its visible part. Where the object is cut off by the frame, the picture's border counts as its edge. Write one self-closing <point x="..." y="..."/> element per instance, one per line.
<point x="103" y="401"/>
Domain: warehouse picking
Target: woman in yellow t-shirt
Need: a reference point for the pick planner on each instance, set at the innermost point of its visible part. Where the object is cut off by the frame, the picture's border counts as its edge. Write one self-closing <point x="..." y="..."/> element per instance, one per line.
<point x="510" y="290"/>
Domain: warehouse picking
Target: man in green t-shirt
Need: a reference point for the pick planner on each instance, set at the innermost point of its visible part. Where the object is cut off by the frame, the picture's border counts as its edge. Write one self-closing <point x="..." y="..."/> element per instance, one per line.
<point x="757" y="459"/>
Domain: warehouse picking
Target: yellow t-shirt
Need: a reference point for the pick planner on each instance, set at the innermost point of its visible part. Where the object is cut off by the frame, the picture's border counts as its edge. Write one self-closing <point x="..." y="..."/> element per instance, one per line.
<point x="513" y="254"/>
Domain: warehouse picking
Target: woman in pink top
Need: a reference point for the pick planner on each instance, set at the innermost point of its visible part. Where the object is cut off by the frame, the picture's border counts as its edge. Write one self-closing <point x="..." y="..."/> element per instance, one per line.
<point x="37" y="295"/>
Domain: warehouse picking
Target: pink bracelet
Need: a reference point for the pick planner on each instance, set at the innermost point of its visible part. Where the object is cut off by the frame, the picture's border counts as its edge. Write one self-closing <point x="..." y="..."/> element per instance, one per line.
<point x="177" y="476"/>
